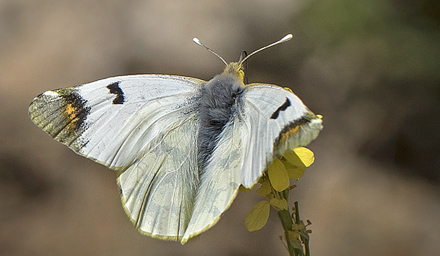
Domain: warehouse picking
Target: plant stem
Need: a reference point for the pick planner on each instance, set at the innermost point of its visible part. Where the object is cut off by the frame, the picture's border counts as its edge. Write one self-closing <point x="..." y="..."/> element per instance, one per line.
<point x="297" y="218"/>
<point x="287" y="223"/>
<point x="298" y="221"/>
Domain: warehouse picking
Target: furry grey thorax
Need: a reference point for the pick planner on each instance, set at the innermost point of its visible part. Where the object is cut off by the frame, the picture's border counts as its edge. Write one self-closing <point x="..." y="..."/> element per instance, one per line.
<point x="218" y="104"/>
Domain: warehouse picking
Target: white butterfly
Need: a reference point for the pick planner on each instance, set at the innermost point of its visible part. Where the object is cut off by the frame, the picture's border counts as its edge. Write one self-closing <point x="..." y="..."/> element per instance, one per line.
<point x="181" y="146"/>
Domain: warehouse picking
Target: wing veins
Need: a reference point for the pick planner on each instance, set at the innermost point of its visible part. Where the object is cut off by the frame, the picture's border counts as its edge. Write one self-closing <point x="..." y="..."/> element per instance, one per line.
<point x="253" y="106"/>
<point x="145" y="199"/>
<point x="132" y="131"/>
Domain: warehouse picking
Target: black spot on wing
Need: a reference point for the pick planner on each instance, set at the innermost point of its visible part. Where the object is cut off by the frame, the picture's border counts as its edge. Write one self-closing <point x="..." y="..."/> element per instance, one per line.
<point x="283" y="107"/>
<point x="115" y="89"/>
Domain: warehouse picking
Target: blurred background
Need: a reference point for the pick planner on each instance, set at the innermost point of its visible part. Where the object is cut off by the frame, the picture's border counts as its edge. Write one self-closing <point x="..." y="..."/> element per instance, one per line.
<point x="371" y="68"/>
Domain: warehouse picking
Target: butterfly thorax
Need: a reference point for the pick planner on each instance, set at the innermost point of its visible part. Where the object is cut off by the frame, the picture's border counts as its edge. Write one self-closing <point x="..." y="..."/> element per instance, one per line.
<point x="219" y="102"/>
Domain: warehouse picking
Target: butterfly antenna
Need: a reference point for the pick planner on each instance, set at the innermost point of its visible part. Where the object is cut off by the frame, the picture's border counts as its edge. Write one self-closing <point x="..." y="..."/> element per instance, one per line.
<point x="282" y="40"/>
<point x="197" y="41"/>
<point x="245" y="68"/>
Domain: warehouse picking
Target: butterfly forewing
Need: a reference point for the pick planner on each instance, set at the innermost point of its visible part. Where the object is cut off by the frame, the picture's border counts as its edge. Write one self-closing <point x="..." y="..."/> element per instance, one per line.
<point x="271" y="114"/>
<point x="112" y="120"/>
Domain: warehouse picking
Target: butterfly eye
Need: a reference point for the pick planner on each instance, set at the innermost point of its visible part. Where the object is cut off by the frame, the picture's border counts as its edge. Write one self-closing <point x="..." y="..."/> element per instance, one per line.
<point x="241" y="73"/>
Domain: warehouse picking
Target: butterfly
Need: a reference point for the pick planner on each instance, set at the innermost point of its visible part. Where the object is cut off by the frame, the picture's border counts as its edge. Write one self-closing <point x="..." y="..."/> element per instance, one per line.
<point x="181" y="146"/>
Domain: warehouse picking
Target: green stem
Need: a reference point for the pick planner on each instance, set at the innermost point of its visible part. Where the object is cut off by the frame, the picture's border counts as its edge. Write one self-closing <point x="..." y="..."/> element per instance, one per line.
<point x="287" y="222"/>
<point x="306" y="246"/>
<point x="297" y="218"/>
<point x="298" y="221"/>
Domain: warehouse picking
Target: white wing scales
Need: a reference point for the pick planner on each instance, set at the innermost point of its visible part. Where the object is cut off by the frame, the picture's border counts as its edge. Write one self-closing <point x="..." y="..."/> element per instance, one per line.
<point x="154" y="104"/>
<point x="219" y="184"/>
<point x="158" y="190"/>
<point x="267" y="112"/>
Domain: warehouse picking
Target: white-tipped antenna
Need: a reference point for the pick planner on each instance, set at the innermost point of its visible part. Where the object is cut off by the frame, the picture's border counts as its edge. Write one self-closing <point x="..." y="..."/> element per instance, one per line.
<point x="197" y="41"/>
<point x="282" y="40"/>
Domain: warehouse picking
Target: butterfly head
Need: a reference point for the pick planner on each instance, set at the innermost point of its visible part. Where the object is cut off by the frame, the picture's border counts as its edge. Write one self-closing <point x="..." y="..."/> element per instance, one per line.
<point x="236" y="68"/>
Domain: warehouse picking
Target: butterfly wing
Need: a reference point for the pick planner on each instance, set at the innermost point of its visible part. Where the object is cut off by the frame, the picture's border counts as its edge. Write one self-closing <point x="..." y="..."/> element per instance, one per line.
<point x="145" y="128"/>
<point x="112" y="120"/>
<point x="219" y="184"/>
<point x="158" y="190"/>
<point x="276" y="121"/>
<point x="268" y="122"/>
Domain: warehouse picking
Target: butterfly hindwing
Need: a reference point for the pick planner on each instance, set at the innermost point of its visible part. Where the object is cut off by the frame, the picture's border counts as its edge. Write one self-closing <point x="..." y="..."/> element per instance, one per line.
<point x="220" y="184"/>
<point x="158" y="190"/>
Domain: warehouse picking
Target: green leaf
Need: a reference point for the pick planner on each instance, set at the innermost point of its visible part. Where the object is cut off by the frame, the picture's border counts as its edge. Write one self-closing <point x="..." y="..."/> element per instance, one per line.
<point x="279" y="204"/>
<point x="295" y="167"/>
<point x="243" y="189"/>
<point x="279" y="179"/>
<point x="265" y="188"/>
<point x="292" y="158"/>
<point x="257" y="217"/>
<point x="294" y="172"/>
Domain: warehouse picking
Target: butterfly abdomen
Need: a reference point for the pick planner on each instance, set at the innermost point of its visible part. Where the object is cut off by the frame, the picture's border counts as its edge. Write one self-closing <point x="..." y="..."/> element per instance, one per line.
<point x="217" y="106"/>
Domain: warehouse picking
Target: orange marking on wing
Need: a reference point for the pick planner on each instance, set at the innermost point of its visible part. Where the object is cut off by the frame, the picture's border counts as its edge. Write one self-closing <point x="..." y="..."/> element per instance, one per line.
<point x="70" y="112"/>
<point x="289" y="133"/>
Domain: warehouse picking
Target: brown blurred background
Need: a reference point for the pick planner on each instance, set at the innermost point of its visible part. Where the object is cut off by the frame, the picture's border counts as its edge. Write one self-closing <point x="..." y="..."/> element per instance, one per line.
<point x="371" y="68"/>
